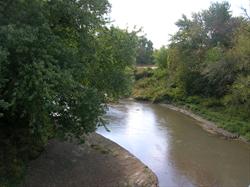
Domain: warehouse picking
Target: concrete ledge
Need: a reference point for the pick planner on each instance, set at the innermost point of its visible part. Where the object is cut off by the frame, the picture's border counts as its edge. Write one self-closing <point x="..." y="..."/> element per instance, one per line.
<point x="97" y="163"/>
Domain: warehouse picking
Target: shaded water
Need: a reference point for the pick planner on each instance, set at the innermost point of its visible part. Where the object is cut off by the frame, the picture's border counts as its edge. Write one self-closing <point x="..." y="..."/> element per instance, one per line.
<point x="179" y="151"/>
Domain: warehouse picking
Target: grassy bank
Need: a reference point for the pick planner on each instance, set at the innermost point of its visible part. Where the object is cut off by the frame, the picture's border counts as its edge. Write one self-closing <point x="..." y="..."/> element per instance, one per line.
<point x="152" y="85"/>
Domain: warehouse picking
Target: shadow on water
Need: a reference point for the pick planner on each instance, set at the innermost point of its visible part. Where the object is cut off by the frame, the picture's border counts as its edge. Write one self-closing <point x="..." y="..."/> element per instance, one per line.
<point x="179" y="151"/>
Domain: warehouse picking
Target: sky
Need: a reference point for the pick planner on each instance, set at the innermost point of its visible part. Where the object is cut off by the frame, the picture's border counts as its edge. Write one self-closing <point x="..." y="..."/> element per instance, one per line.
<point x="157" y="17"/>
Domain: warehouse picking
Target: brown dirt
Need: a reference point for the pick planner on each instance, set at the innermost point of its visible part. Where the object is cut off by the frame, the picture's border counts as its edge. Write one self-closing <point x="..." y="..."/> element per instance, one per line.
<point x="99" y="162"/>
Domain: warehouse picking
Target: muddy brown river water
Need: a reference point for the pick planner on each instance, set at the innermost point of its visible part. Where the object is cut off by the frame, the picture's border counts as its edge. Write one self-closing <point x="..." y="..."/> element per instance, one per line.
<point x="178" y="150"/>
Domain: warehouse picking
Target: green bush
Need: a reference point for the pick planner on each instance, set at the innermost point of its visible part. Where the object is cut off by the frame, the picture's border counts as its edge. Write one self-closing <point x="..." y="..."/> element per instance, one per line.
<point x="211" y="102"/>
<point x="194" y="99"/>
<point x="143" y="73"/>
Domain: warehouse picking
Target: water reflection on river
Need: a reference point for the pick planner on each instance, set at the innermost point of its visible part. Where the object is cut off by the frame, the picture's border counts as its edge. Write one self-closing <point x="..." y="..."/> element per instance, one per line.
<point x="176" y="148"/>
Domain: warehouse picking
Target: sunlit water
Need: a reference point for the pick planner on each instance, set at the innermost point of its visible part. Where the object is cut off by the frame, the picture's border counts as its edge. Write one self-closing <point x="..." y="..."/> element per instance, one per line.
<point x="179" y="151"/>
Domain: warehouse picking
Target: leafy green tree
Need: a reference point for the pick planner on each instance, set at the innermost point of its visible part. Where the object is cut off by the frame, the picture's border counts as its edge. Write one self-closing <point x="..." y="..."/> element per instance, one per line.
<point x="240" y="53"/>
<point x="216" y="21"/>
<point x="240" y="98"/>
<point x="115" y="56"/>
<point x="161" y="57"/>
<point x="57" y="63"/>
<point x="203" y="67"/>
<point x="145" y="51"/>
<point x="214" y="55"/>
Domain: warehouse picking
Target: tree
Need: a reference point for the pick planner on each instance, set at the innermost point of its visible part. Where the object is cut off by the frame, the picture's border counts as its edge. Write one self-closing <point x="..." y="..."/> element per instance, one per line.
<point x="239" y="96"/>
<point x="145" y="51"/>
<point x="203" y="67"/>
<point x="240" y="53"/>
<point x="116" y="52"/>
<point x="47" y="50"/>
<point x="216" y="20"/>
<point x="161" y="57"/>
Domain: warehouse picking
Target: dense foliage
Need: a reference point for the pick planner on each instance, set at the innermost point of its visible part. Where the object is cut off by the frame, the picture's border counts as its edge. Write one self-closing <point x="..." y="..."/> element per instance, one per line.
<point x="161" y="57"/>
<point x="58" y="65"/>
<point x="207" y="68"/>
<point x="145" y="51"/>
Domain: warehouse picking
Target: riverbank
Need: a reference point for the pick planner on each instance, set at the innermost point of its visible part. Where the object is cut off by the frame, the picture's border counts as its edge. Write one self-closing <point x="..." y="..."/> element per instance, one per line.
<point x="97" y="162"/>
<point x="154" y="86"/>
<point x="207" y="125"/>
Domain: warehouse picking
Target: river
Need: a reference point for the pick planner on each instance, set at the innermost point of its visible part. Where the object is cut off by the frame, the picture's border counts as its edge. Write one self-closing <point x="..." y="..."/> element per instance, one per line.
<point x="178" y="150"/>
